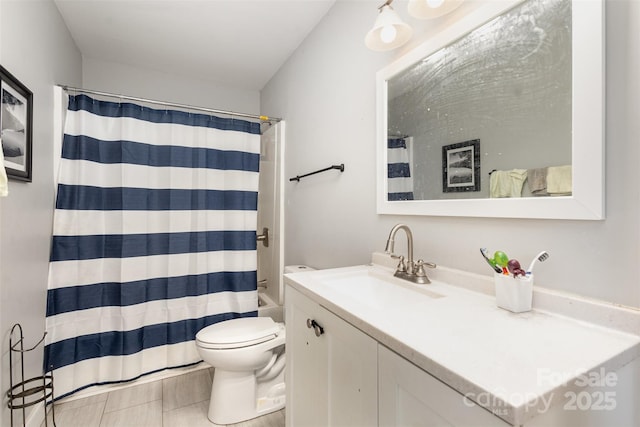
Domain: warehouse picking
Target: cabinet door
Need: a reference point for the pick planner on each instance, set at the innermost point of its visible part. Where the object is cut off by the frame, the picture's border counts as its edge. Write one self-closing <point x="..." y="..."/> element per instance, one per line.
<point x="307" y="371"/>
<point x="331" y="378"/>
<point x="409" y="396"/>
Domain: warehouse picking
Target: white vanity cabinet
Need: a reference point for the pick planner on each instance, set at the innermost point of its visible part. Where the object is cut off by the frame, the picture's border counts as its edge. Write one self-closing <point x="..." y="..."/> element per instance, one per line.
<point x="339" y="376"/>
<point x="374" y="364"/>
<point x="331" y="370"/>
<point x="408" y="396"/>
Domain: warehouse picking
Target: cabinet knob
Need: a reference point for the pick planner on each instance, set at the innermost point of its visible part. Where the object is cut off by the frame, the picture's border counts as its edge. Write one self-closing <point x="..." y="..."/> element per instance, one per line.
<point x="319" y="330"/>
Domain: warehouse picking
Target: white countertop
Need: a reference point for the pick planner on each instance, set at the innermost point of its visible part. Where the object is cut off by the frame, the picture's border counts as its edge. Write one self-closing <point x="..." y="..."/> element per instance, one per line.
<point x="520" y="361"/>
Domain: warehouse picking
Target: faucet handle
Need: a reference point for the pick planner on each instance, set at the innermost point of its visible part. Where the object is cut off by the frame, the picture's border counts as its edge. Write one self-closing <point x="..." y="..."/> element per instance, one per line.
<point x="402" y="268"/>
<point x="420" y="264"/>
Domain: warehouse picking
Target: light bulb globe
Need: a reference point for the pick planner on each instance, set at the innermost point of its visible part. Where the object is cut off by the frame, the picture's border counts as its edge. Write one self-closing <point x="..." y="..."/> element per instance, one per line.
<point x="434" y="4"/>
<point x="388" y="33"/>
<point x="431" y="9"/>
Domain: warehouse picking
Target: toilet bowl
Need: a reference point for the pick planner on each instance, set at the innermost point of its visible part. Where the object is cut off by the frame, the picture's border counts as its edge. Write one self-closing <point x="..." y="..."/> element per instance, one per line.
<point x="248" y="357"/>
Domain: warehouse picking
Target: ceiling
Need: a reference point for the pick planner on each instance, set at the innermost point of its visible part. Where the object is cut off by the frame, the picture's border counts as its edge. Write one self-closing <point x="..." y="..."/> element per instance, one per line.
<point x="234" y="43"/>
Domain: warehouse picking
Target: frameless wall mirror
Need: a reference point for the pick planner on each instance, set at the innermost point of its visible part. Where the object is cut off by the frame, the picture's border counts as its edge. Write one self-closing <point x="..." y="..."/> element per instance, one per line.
<point x="499" y="115"/>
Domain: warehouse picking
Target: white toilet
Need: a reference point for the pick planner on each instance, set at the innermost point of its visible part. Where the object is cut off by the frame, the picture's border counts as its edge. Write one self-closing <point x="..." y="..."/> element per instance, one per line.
<point x="248" y="357"/>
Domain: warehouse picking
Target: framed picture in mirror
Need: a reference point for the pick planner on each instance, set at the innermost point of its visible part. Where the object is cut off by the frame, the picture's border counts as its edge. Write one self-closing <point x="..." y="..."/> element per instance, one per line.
<point x="16" y="117"/>
<point x="461" y="166"/>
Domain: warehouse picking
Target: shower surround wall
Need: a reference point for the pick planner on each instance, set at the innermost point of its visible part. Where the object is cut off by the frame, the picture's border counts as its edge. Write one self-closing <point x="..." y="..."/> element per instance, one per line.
<point x="270" y="211"/>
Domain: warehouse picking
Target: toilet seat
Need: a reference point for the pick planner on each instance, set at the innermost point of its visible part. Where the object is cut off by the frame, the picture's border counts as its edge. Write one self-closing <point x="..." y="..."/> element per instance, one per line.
<point x="238" y="333"/>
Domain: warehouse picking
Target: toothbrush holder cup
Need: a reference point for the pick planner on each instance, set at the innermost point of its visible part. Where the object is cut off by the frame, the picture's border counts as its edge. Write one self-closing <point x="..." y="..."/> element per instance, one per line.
<point x="514" y="293"/>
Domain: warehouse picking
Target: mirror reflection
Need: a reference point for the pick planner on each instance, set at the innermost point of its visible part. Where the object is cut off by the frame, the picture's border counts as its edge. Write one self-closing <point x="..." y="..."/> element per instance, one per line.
<point x="489" y="115"/>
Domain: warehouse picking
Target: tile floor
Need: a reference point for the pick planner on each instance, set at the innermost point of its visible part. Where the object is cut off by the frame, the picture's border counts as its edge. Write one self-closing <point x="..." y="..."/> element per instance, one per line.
<point x="172" y="402"/>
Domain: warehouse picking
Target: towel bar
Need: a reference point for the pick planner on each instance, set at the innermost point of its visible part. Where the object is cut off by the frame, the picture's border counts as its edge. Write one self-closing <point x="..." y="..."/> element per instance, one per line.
<point x="339" y="167"/>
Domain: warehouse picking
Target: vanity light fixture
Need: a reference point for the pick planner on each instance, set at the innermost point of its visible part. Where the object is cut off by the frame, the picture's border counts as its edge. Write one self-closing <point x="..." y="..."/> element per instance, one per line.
<point x="388" y="32"/>
<point x="430" y="9"/>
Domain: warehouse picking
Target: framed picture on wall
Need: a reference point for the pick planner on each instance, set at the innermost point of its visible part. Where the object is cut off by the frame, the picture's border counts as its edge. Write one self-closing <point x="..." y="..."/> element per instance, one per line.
<point x="461" y="166"/>
<point x="16" y="117"/>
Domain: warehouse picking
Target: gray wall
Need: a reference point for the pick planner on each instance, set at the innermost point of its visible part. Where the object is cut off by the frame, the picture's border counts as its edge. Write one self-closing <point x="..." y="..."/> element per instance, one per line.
<point x="36" y="48"/>
<point x="145" y="83"/>
<point x="326" y="92"/>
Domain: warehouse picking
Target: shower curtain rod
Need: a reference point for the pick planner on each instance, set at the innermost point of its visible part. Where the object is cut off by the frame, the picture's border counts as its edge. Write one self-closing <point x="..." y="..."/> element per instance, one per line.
<point x="172" y="104"/>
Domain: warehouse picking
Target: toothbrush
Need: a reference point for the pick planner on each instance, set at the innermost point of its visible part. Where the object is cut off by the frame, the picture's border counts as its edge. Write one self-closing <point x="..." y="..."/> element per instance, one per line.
<point x="542" y="256"/>
<point x="497" y="269"/>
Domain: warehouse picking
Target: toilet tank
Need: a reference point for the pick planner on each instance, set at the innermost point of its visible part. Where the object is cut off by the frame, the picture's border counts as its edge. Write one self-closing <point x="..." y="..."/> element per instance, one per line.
<point x="297" y="268"/>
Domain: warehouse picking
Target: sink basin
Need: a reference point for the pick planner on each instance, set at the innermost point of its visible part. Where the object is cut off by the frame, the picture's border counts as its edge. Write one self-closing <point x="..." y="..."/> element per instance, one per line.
<point x="374" y="287"/>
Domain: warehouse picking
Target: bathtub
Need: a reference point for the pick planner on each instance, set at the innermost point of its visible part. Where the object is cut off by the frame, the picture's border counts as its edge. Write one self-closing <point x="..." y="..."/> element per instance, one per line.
<point x="268" y="308"/>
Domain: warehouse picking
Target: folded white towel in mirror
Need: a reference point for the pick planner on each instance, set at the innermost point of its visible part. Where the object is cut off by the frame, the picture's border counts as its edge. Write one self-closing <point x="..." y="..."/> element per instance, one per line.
<point x="559" y="180"/>
<point x="507" y="183"/>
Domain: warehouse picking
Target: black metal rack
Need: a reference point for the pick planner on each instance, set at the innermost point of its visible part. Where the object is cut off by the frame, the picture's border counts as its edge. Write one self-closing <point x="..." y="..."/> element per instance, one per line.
<point x="27" y="392"/>
<point x="339" y="167"/>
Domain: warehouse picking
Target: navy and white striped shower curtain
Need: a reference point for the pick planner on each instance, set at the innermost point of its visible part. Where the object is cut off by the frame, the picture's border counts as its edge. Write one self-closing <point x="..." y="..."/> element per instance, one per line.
<point x="399" y="179"/>
<point x="154" y="238"/>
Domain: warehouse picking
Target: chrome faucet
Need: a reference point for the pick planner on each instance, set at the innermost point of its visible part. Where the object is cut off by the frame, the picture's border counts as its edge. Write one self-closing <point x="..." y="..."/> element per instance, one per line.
<point x="412" y="271"/>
